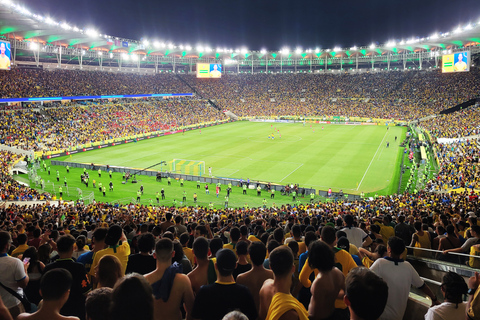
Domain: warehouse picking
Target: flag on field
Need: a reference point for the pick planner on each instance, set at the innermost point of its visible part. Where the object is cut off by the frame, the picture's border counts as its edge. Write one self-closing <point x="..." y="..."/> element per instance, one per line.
<point x="125" y="44"/>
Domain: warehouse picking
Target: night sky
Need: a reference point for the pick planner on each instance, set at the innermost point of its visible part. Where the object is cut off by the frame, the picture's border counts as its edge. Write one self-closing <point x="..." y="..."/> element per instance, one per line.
<point x="263" y="24"/>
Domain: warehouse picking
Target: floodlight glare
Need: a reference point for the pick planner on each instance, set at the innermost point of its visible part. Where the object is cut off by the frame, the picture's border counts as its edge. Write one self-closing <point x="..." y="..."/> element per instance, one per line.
<point x="336" y="49"/>
<point x="372" y="46"/>
<point x="125" y="56"/>
<point x="458" y="30"/>
<point x="390" y="44"/>
<point x="65" y="26"/>
<point x="156" y="44"/>
<point x="244" y="50"/>
<point x="317" y="50"/>
<point x="434" y="36"/>
<point x="171" y="46"/>
<point x="33" y="46"/>
<point x="353" y="48"/>
<point x="285" y="50"/>
<point x="263" y="51"/>
<point x="146" y="42"/>
<point x="50" y="21"/>
<point x="91" y="33"/>
<point x="468" y="27"/>
<point x="100" y="53"/>
<point x="188" y="48"/>
<point x="199" y="48"/>
<point x="76" y="29"/>
<point x="298" y="50"/>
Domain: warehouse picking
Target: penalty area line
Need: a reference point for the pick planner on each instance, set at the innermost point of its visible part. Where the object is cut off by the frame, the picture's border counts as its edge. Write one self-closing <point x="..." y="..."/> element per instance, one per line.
<point x="292" y="172"/>
<point x="373" y="158"/>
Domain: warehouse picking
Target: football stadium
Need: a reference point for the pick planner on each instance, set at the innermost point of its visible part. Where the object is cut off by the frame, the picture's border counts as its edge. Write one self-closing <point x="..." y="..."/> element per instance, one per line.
<point x="175" y="181"/>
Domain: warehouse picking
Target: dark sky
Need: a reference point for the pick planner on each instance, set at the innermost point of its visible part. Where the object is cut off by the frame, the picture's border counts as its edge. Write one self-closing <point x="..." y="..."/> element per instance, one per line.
<point x="268" y="24"/>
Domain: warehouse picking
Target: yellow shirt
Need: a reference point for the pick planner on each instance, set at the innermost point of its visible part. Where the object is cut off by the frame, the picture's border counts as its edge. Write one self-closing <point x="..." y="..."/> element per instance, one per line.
<point x="189" y="254"/>
<point x="4" y="62"/>
<point x="121" y="252"/>
<point x="282" y="303"/>
<point x="19" y="250"/>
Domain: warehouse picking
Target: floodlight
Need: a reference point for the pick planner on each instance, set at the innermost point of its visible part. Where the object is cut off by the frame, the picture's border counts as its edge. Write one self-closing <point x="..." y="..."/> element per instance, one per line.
<point x="100" y="53"/>
<point x="353" y="48"/>
<point x="468" y="27"/>
<point x="434" y="36"/>
<point x="50" y="21"/>
<point x="244" y="50"/>
<point x="146" y="42"/>
<point x="171" y="46"/>
<point x="372" y="46"/>
<point x="208" y="49"/>
<point x="390" y="44"/>
<point x="156" y="44"/>
<point x="317" y="50"/>
<point x="219" y="50"/>
<point x="91" y="33"/>
<point x="65" y="26"/>
<point x="298" y="50"/>
<point x="263" y="51"/>
<point x="458" y="30"/>
<point x="33" y="46"/>
<point x="402" y="42"/>
<point x="199" y="48"/>
<point x="7" y="2"/>
<point x="336" y="49"/>
<point x="188" y="48"/>
<point x="76" y="29"/>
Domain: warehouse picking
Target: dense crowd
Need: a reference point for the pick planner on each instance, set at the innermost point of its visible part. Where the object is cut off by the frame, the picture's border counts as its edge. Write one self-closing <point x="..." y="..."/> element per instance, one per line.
<point x="56" y="128"/>
<point x="23" y="83"/>
<point x="208" y="263"/>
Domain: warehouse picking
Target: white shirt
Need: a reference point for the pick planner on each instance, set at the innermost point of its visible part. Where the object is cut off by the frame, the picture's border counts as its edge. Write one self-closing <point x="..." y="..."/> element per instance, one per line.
<point x="11" y="271"/>
<point x="446" y="311"/>
<point x="355" y="235"/>
<point x="399" y="276"/>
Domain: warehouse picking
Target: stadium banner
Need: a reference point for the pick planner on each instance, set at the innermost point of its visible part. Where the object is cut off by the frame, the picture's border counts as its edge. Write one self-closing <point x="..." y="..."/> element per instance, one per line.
<point x="154" y="95"/>
<point x="5" y="55"/>
<point x="130" y="139"/>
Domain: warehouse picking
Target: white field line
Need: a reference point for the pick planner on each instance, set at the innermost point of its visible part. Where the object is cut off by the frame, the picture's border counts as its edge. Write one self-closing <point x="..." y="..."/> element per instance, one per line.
<point x="292" y="172"/>
<point x="373" y="158"/>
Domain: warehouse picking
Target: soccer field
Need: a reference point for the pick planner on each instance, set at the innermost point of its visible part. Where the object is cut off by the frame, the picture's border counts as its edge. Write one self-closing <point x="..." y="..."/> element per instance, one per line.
<point x="352" y="158"/>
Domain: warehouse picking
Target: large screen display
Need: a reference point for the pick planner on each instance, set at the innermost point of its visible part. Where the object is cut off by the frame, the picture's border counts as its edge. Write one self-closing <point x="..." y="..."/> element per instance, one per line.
<point x="5" y="54"/>
<point x="456" y="62"/>
<point x="209" y="70"/>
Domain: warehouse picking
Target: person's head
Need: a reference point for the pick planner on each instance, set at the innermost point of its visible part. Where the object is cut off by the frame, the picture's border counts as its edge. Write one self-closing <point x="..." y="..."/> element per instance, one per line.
<point x="97" y="304"/>
<point x="475" y="231"/>
<point x="396" y="246"/>
<point x="184" y="238"/>
<point x="44" y="253"/>
<point x="381" y="250"/>
<point x="114" y="234"/>
<point x="343" y="243"/>
<point x="450" y="230"/>
<point x="310" y="236"/>
<point x="453" y="287"/>
<point x="321" y="256"/>
<point x="460" y="57"/>
<point x="2" y="48"/>
<point x="127" y="306"/>
<point x="108" y="271"/>
<point x="235" y="234"/>
<point x="178" y="219"/>
<point x="80" y="242"/>
<point x="55" y="285"/>
<point x="272" y="245"/>
<point x="65" y="244"/>
<point x="201" y="231"/>
<point x="281" y="262"/>
<point x="22" y="238"/>
<point x="296" y="231"/>
<point x="418" y="226"/>
<point x="366" y="293"/>
<point x="242" y="248"/>
<point x="293" y="245"/>
<point x="328" y="235"/>
<point x="226" y="262"/>
<point x="215" y="245"/>
<point x="164" y="250"/>
<point x="278" y="235"/>
<point x="257" y="251"/>
<point x="235" y="315"/>
<point x="37" y="232"/>
<point x="348" y="220"/>
<point x="146" y="242"/>
<point x="200" y="248"/>
<point x="99" y="235"/>
<point x="31" y="253"/>
<point x="5" y="241"/>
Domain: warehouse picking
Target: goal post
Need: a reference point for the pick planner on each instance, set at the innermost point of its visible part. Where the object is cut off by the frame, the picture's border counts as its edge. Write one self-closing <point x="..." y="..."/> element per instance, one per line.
<point x="190" y="167"/>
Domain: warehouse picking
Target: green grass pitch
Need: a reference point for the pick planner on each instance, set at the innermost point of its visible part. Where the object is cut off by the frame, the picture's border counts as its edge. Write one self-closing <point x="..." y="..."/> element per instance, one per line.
<point x="353" y="158"/>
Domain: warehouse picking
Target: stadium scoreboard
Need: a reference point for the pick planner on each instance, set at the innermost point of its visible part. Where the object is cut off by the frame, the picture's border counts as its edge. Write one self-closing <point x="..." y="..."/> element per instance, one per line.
<point x="209" y="70"/>
<point x="456" y="62"/>
<point x="5" y="55"/>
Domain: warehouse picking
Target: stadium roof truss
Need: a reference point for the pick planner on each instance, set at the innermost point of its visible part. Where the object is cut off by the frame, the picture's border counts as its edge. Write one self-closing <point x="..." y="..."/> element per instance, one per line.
<point x="40" y="42"/>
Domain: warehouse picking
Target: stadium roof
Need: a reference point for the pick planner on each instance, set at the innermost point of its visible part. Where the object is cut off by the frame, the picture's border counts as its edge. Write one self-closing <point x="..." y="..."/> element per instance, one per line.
<point x="18" y="23"/>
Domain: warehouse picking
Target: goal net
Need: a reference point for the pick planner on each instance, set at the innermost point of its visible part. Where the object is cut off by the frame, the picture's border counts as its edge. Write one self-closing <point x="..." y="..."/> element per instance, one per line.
<point x="191" y="167"/>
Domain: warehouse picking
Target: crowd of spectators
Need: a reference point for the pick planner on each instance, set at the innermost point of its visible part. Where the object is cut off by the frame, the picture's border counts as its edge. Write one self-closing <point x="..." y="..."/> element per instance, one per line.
<point x="57" y="128"/>
<point x="234" y="253"/>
